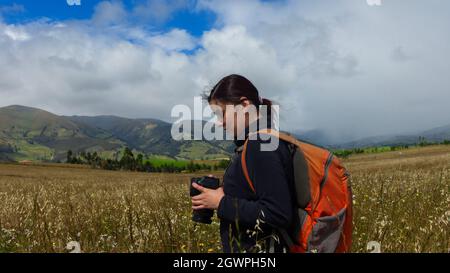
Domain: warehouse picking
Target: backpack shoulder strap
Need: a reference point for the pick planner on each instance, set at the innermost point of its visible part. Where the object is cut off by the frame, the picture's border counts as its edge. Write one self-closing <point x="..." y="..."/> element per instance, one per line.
<point x="244" y="167"/>
<point x="280" y="135"/>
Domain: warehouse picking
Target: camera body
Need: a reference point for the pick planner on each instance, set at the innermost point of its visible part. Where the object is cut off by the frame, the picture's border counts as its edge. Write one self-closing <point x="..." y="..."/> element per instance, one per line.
<point x="203" y="215"/>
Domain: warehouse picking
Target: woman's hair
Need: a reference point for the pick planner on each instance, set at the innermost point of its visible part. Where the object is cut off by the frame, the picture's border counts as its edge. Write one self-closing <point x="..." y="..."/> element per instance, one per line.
<point x="231" y="88"/>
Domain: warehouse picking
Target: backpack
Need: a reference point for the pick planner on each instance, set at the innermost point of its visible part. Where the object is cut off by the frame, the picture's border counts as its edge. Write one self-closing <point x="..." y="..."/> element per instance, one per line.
<point x="323" y="196"/>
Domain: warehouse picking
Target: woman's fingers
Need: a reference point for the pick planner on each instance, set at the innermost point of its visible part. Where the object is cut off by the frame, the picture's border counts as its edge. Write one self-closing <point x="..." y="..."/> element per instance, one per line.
<point x="198" y="207"/>
<point x="198" y="187"/>
<point x="198" y="197"/>
<point x="197" y="202"/>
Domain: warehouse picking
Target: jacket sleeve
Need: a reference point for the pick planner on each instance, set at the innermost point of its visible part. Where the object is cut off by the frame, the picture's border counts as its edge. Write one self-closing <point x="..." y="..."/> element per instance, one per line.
<point x="273" y="202"/>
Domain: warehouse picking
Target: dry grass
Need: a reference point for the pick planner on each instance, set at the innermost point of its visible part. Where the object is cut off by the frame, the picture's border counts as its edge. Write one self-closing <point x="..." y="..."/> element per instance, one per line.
<point x="401" y="201"/>
<point x="42" y="208"/>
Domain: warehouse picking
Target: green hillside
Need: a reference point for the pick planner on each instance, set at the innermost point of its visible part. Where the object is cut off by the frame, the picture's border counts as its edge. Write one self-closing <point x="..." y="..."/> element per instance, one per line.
<point x="33" y="134"/>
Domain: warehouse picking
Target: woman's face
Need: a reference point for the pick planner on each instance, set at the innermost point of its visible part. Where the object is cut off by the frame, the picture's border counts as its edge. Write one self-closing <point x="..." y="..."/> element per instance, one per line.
<point x="229" y="116"/>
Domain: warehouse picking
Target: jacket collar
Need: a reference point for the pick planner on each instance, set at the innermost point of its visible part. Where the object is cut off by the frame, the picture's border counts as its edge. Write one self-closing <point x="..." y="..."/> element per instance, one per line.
<point x="252" y="127"/>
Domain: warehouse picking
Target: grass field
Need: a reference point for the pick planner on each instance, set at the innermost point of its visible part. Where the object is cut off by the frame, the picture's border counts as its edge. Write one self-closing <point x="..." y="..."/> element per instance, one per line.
<point x="401" y="201"/>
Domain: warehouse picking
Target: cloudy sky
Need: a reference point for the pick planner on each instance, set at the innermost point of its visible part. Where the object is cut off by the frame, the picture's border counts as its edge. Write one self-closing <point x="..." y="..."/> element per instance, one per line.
<point x="345" y="67"/>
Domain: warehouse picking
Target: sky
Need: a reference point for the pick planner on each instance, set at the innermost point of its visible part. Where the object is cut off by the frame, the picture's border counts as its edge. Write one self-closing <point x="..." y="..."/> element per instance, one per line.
<point x="344" y="67"/>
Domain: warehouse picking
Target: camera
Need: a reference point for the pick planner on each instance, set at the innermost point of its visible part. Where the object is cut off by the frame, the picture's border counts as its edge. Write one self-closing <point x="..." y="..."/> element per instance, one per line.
<point x="203" y="215"/>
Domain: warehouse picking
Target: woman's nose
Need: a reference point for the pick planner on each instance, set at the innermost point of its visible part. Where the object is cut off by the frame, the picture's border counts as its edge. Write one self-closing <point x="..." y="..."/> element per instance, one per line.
<point x="220" y="123"/>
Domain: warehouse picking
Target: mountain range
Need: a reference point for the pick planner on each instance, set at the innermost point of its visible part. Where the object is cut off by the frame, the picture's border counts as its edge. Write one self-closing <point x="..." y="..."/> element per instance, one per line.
<point x="28" y="133"/>
<point x="321" y="138"/>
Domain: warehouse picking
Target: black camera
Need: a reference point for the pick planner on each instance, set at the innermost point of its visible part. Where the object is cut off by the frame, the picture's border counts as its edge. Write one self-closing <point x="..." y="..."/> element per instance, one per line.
<point x="203" y="215"/>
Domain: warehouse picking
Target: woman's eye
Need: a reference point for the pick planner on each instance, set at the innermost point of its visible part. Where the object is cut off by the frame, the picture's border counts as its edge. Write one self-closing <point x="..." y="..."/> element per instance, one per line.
<point x="219" y="113"/>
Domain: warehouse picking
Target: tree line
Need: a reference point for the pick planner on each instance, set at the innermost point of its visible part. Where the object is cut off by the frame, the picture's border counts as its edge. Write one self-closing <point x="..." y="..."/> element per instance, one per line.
<point x="131" y="162"/>
<point x="344" y="153"/>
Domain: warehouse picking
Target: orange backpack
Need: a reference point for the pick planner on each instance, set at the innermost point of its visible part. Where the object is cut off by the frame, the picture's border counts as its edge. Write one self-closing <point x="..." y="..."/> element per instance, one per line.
<point x="323" y="196"/>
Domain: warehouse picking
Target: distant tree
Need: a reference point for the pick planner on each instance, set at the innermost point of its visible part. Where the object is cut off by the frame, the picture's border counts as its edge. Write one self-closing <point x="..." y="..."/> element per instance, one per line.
<point x="83" y="155"/>
<point x="423" y="141"/>
<point x="140" y="162"/>
<point x="127" y="162"/>
<point x="69" y="156"/>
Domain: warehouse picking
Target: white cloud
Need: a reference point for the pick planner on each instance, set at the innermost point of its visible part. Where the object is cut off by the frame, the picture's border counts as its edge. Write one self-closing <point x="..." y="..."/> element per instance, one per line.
<point x="176" y="39"/>
<point x="342" y="65"/>
<point x="341" y="51"/>
<point x="109" y="12"/>
<point x="16" y="33"/>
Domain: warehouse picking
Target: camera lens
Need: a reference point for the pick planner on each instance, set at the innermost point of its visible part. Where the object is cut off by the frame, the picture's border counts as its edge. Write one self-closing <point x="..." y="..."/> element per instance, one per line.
<point x="203" y="216"/>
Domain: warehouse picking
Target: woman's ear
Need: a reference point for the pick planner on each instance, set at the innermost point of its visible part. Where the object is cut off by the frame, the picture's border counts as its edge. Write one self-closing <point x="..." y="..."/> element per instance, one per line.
<point x="244" y="101"/>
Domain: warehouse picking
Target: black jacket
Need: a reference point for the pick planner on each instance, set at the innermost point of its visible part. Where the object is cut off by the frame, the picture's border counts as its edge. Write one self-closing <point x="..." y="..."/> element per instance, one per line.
<point x="272" y="175"/>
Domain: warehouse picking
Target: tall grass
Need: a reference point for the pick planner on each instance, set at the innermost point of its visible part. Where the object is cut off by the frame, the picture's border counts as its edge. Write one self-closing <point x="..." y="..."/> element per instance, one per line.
<point x="43" y="208"/>
<point x="401" y="201"/>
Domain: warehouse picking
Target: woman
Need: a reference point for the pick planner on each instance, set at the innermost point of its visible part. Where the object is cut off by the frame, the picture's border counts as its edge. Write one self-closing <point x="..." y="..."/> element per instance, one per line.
<point x="249" y="220"/>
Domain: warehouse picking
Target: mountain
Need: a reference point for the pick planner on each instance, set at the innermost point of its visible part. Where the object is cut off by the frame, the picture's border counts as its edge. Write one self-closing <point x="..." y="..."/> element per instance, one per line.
<point x="31" y="133"/>
<point x="153" y="136"/>
<point x="316" y="136"/>
<point x="35" y="134"/>
<point x="437" y="134"/>
<point x="147" y="135"/>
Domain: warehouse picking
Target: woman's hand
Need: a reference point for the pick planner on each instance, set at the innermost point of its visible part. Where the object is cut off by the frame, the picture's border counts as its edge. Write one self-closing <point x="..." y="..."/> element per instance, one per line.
<point x="207" y="199"/>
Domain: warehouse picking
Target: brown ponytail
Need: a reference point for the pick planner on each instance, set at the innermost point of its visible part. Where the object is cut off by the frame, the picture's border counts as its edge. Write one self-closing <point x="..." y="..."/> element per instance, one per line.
<point x="268" y="103"/>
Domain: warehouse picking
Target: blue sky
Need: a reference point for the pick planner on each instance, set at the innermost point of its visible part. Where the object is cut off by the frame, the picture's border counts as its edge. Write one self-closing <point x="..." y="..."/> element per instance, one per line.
<point x="186" y="17"/>
<point x="55" y="9"/>
<point x="379" y="69"/>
